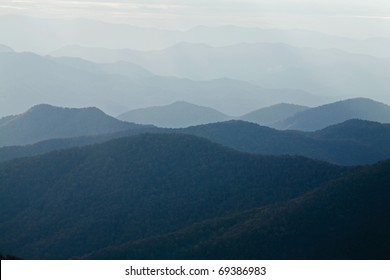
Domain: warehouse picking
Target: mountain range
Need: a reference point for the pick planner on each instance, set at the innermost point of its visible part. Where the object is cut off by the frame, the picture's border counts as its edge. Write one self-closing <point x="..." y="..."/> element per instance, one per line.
<point x="353" y="142"/>
<point x="224" y="142"/>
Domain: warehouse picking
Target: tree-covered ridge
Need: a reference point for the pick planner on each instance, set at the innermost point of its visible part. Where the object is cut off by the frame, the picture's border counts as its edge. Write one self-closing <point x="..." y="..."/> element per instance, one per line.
<point x="69" y="203"/>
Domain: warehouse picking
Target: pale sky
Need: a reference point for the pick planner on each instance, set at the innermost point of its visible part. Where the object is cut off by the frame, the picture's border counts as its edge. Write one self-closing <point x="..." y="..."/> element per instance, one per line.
<point x="354" y="18"/>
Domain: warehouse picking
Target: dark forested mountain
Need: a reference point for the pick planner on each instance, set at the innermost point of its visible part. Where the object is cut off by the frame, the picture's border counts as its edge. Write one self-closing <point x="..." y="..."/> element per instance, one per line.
<point x="69" y="203"/>
<point x="334" y="113"/>
<point x="44" y="122"/>
<point x="272" y="114"/>
<point x="353" y="142"/>
<point x="27" y="79"/>
<point x="178" y="114"/>
<point x="344" y="219"/>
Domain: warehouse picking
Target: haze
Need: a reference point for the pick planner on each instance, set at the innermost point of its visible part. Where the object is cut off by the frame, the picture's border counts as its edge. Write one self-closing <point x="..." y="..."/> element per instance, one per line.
<point x="351" y="18"/>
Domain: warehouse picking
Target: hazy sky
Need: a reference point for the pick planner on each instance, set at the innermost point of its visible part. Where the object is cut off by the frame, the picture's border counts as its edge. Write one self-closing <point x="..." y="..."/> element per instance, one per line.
<point x="355" y="18"/>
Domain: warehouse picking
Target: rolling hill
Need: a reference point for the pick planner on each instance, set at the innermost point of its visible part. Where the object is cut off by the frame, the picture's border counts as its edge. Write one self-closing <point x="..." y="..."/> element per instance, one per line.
<point x="69" y="203"/>
<point x="43" y="122"/>
<point x="334" y="113"/>
<point x="175" y="115"/>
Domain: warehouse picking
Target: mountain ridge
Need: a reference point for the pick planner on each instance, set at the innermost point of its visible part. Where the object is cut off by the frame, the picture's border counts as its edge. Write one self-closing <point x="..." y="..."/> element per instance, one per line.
<point x="43" y="122"/>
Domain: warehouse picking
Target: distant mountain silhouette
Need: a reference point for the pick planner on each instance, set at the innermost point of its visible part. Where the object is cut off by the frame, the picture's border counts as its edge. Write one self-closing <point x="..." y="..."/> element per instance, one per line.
<point x="178" y="114"/>
<point x="43" y="122"/>
<point x="353" y="142"/>
<point x="70" y="203"/>
<point x="272" y="114"/>
<point x="334" y="113"/>
<point x="344" y="219"/>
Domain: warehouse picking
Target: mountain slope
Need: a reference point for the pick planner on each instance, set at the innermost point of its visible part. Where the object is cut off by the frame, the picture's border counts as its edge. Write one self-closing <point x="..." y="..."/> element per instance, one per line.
<point x="334" y="113"/>
<point x="344" y="219"/>
<point x="72" y="202"/>
<point x="178" y="114"/>
<point x="44" y="122"/>
<point x="269" y="115"/>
